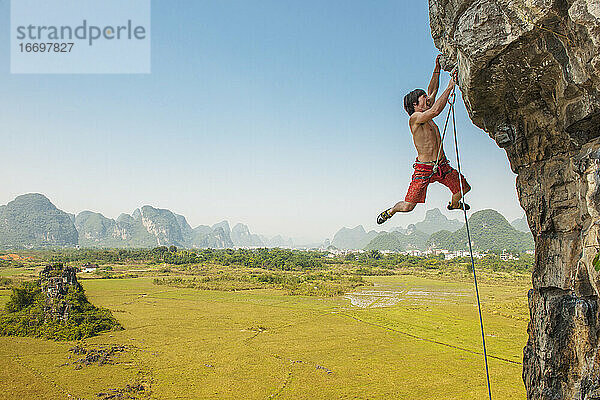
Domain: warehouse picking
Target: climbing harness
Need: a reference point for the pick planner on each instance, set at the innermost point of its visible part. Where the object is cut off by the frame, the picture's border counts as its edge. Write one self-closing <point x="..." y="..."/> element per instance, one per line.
<point x="451" y="110"/>
<point x="436" y="164"/>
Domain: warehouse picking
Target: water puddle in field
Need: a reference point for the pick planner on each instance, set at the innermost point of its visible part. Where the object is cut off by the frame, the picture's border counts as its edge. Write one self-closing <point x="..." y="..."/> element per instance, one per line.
<point x="387" y="298"/>
<point x="374" y="298"/>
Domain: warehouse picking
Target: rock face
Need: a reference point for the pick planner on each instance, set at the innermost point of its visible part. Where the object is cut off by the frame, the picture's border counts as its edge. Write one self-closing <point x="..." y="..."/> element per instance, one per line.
<point x="529" y="72"/>
<point x="55" y="284"/>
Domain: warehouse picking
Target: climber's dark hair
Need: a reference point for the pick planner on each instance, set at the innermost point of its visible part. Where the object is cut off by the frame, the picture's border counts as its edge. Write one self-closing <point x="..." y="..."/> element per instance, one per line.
<point x="412" y="98"/>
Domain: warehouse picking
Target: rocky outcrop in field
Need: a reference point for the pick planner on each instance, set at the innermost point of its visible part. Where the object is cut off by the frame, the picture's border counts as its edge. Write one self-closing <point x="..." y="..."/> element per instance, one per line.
<point x="54" y="307"/>
<point x="529" y="72"/>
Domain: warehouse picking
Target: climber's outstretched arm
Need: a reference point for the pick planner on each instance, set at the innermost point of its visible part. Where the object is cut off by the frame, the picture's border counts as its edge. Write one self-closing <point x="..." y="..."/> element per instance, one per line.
<point x="436" y="109"/>
<point x="434" y="84"/>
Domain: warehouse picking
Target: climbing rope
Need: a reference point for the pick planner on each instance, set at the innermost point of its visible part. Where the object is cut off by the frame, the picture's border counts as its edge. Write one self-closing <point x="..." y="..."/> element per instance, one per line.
<point x="437" y="160"/>
<point x="451" y="109"/>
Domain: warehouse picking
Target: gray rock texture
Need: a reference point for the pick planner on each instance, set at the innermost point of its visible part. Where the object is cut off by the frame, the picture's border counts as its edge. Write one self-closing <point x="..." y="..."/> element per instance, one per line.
<point x="529" y="72"/>
<point x="56" y="282"/>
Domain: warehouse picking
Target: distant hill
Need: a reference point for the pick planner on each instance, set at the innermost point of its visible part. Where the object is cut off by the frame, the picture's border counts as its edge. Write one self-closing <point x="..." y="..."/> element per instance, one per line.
<point x="436" y="221"/>
<point x="147" y="227"/>
<point x="398" y="241"/>
<point x="223" y="225"/>
<point x="414" y="236"/>
<point x="31" y="220"/>
<point x="355" y="238"/>
<point x="241" y="236"/>
<point x="277" y="241"/>
<point x="157" y="227"/>
<point x="385" y="241"/>
<point x="97" y="230"/>
<point x="399" y="229"/>
<point x="521" y="224"/>
<point x="490" y="231"/>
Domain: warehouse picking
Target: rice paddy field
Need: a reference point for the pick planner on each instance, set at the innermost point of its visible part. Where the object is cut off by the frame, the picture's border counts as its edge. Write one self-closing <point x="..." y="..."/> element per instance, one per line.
<point x="404" y="337"/>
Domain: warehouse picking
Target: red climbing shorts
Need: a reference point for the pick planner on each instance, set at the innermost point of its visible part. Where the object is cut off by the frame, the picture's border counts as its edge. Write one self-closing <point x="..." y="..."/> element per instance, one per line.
<point x="422" y="177"/>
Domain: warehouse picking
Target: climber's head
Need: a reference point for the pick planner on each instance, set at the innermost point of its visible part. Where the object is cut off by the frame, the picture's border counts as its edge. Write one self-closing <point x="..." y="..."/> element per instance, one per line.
<point x="416" y="101"/>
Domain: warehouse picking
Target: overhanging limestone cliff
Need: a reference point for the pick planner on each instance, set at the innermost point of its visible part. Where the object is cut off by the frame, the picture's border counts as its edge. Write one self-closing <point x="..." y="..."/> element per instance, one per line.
<point x="529" y="72"/>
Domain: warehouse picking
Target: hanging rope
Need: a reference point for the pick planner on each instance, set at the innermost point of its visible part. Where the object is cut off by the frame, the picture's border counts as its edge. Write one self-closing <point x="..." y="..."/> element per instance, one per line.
<point x="437" y="160"/>
<point x="487" y="373"/>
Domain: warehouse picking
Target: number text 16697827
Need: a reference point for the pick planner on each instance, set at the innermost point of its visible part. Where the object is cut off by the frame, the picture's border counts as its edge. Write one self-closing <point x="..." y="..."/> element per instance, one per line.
<point x="46" y="47"/>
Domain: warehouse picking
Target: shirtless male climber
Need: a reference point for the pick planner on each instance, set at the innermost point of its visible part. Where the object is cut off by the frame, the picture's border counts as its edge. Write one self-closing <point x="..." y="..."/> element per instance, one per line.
<point x="422" y="108"/>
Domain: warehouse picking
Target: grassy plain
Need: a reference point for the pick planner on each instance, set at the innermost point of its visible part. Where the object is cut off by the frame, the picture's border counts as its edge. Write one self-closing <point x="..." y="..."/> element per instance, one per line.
<point x="405" y="337"/>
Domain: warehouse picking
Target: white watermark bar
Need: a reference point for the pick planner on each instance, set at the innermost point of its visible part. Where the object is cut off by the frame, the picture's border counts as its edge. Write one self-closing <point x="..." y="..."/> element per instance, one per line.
<point x="80" y="37"/>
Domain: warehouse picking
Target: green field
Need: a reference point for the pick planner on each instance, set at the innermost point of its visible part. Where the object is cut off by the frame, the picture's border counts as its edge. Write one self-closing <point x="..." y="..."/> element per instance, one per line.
<point x="406" y="337"/>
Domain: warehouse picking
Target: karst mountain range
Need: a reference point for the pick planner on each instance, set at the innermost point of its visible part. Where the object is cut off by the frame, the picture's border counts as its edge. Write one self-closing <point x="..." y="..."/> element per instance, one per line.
<point x="32" y="221"/>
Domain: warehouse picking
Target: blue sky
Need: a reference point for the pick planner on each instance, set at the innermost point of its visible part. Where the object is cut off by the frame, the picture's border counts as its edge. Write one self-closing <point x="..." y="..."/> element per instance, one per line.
<point x="286" y="116"/>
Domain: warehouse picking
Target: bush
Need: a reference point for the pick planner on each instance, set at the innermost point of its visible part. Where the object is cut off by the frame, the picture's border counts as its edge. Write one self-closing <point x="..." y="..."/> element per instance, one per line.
<point x="22" y="297"/>
<point x="5" y="282"/>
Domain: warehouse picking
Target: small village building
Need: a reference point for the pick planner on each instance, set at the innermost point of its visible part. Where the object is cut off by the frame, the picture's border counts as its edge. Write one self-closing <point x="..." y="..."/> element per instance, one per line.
<point x="89" y="267"/>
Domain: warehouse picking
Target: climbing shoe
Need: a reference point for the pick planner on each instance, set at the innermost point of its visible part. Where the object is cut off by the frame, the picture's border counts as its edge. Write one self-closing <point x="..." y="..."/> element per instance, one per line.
<point x="459" y="206"/>
<point x="384" y="216"/>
